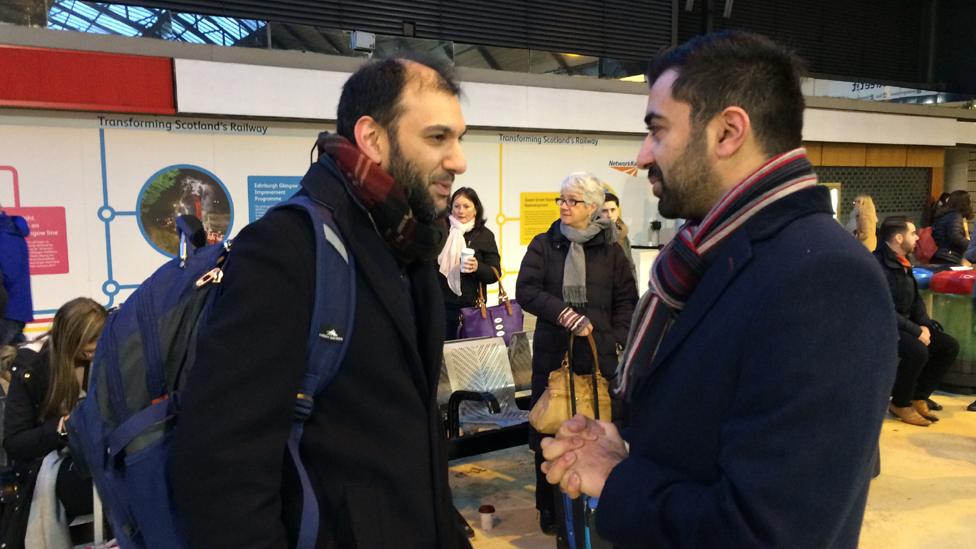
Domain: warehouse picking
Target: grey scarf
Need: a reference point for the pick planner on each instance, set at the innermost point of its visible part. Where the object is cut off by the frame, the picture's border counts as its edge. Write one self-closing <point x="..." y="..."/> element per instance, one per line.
<point x="574" y="271"/>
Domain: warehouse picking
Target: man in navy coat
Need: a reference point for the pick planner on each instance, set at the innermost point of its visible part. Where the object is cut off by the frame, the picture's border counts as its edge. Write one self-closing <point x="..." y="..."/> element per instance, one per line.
<point x="759" y="364"/>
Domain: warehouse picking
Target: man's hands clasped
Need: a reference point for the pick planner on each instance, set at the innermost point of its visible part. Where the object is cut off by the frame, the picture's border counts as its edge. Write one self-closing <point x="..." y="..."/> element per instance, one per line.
<point x="582" y="454"/>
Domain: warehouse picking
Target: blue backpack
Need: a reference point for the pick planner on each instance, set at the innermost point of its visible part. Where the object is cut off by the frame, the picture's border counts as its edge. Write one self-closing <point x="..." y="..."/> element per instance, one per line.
<point x="124" y="428"/>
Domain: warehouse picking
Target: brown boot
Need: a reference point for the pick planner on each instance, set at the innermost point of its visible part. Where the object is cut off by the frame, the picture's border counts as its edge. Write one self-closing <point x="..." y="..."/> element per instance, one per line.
<point x="922" y="408"/>
<point x="908" y="415"/>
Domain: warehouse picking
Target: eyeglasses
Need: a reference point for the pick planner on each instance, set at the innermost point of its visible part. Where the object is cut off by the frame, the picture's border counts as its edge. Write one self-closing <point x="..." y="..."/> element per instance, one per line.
<point x="571" y="202"/>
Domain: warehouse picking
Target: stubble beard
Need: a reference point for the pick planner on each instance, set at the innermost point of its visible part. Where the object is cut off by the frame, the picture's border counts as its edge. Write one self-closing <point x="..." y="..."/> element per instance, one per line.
<point x="692" y="188"/>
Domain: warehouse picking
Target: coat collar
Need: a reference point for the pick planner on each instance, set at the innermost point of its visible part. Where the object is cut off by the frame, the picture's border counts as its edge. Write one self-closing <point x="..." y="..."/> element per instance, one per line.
<point x="887" y="257"/>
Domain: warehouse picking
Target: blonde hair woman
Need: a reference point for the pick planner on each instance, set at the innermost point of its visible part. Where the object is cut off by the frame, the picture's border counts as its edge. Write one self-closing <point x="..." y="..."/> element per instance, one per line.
<point x="44" y="388"/>
<point x="864" y="222"/>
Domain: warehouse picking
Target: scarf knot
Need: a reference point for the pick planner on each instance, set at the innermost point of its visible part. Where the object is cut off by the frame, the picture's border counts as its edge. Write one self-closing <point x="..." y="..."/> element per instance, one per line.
<point x="682" y="263"/>
<point x="574" y="268"/>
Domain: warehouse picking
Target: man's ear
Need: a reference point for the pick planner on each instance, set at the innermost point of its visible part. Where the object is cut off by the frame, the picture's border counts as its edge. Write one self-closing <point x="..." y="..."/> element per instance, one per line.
<point x="372" y="139"/>
<point x="732" y="131"/>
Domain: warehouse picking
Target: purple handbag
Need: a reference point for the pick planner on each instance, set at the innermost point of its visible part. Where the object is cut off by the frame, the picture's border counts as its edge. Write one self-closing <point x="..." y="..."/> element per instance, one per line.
<point x="501" y="320"/>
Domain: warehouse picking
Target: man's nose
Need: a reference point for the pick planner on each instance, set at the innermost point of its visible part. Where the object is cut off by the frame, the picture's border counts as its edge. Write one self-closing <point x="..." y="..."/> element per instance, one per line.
<point x="645" y="158"/>
<point x="455" y="162"/>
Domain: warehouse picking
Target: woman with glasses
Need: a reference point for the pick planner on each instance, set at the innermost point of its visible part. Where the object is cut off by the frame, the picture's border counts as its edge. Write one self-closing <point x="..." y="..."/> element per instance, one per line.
<point x="463" y="275"/>
<point x="44" y="388"/>
<point x="576" y="279"/>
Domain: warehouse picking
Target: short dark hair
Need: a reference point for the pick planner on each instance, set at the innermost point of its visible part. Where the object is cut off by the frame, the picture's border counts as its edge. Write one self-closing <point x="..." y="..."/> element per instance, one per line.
<point x="375" y="90"/>
<point x="734" y="68"/>
<point x="610" y="197"/>
<point x="893" y="225"/>
<point x="468" y="192"/>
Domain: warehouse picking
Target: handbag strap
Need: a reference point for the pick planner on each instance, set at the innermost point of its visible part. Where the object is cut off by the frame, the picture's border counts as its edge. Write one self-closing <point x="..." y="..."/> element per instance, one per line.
<point x="481" y="304"/>
<point x="593" y="375"/>
<point x="502" y="295"/>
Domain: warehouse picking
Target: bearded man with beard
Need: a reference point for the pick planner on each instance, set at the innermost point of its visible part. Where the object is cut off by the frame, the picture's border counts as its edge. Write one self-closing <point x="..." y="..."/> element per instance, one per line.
<point x="758" y="365"/>
<point x="373" y="443"/>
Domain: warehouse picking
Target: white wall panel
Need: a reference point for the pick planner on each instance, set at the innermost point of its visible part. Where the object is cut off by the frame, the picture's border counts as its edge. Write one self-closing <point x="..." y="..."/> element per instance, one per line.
<point x="965" y="132"/>
<point x="867" y="127"/>
<point x="206" y="87"/>
<point x="232" y="89"/>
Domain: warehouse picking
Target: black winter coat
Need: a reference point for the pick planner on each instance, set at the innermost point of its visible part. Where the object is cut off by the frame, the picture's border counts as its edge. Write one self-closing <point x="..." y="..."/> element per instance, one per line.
<point x="611" y="294"/>
<point x="26" y="439"/>
<point x="482" y="241"/>
<point x="373" y="446"/>
<point x="950" y="236"/>
<point x="909" y="307"/>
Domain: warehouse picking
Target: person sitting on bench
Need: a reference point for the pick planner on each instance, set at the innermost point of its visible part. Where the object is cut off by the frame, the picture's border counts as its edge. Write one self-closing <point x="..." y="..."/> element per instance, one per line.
<point x="925" y="352"/>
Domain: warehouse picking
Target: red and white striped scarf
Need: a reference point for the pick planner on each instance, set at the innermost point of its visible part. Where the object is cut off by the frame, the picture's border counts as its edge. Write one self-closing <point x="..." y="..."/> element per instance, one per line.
<point x="683" y="262"/>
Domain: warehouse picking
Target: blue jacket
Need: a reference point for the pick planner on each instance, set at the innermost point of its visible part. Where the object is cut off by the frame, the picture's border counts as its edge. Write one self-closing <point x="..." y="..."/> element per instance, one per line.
<point x="758" y="423"/>
<point x="15" y="267"/>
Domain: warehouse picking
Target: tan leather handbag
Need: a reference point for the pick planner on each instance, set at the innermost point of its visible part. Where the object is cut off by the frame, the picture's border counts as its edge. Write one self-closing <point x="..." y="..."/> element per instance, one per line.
<point x="569" y="393"/>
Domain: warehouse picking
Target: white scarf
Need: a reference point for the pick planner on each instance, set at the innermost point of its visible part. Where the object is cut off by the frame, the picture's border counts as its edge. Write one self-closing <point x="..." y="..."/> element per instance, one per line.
<point x="449" y="259"/>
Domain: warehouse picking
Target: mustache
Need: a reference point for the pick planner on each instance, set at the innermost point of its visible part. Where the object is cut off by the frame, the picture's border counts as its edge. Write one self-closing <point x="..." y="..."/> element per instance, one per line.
<point x="446" y="176"/>
<point x="654" y="172"/>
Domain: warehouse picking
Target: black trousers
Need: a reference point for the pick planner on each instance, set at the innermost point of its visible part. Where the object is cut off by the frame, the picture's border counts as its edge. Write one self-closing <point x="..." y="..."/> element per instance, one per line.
<point x="921" y="367"/>
<point x="452" y="320"/>
<point x="74" y="489"/>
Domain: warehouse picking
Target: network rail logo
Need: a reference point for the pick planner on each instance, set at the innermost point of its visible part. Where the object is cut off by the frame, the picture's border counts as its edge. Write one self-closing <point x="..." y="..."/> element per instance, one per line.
<point x="628" y="167"/>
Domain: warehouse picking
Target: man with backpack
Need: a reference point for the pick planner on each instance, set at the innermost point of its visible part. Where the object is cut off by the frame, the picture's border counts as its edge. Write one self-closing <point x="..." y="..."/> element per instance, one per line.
<point x="372" y="445"/>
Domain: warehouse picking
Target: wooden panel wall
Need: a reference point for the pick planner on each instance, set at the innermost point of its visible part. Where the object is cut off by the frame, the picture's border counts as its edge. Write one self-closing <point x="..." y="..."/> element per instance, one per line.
<point x="881" y="156"/>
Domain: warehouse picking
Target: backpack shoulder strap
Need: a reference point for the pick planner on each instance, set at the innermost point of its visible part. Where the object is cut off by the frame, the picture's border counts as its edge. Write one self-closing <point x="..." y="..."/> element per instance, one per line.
<point x="335" y="299"/>
<point x="330" y="331"/>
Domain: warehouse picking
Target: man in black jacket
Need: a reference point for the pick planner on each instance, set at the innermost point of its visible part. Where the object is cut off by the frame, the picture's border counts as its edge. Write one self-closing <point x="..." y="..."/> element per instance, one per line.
<point x="373" y="444"/>
<point x="925" y="352"/>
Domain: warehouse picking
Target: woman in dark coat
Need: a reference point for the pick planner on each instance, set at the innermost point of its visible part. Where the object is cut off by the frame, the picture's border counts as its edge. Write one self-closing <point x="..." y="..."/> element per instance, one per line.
<point x="44" y="388"/>
<point x="949" y="230"/>
<point x="576" y="279"/>
<point x="460" y="283"/>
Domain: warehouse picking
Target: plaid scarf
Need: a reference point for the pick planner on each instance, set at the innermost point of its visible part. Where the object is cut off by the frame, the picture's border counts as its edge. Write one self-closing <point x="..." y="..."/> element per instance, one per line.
<point x="410" y="238"/>
<point x="682" y="263"/>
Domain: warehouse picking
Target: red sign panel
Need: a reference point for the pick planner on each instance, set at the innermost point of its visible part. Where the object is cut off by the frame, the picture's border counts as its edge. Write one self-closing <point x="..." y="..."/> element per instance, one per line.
<point x="48" y="239"/>
<point x="85" y="81"/>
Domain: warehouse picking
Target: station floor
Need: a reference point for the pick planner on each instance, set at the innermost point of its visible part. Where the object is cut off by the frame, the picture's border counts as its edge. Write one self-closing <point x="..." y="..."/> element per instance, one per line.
<point x="925" y="496"/>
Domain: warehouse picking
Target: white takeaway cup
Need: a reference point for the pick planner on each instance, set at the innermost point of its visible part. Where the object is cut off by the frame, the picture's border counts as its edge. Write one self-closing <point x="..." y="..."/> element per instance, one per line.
<point x="466" y="253"/>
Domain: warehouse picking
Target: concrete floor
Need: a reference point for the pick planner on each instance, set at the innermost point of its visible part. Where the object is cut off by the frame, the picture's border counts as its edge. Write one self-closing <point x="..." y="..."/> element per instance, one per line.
<point x="924" y="498"/>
